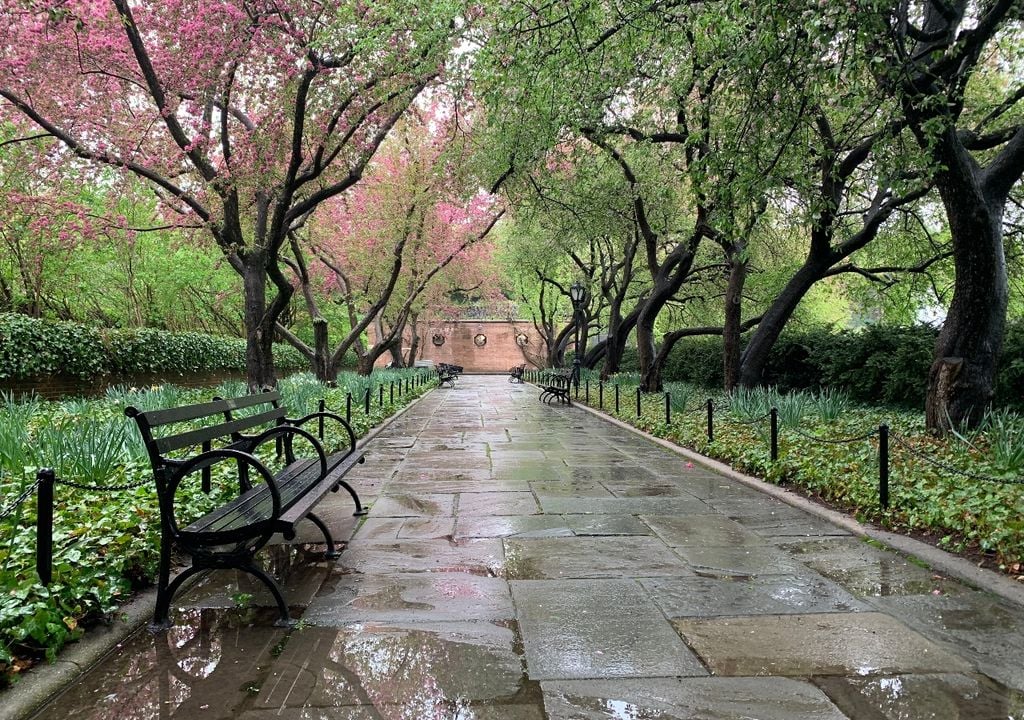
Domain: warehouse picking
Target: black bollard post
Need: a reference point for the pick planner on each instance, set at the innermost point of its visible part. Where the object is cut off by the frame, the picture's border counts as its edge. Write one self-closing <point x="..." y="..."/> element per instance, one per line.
<point x="775" y="433"/>
<point x="44" y="525"/>
<point x="668" y="409"/>
<point x="391" y="393"/>
<point x="711" y="420"/>
<point x="639" y="410"/>
<point x="616" y="398"/>
<point x="348" y="407"/>
<point x="600" y="394"/>
<point x="587" y="391"/>
<point x="366" y="403"/>
<point x="320" y="420"/>
<point x="380" y="395"/>
<point x="883" y="466"/>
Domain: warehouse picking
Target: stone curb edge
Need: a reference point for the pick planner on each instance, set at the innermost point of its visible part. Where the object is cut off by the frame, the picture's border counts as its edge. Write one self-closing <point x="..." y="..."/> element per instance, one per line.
<point x="44" y="681"/>
<point x="934" y="557"/>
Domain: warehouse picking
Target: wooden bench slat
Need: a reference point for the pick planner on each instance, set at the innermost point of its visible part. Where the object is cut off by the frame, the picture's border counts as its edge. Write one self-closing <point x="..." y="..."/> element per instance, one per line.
<point x="295" y="484"/>
<point x="156" y="418"/>
<point x="194" y="437"/>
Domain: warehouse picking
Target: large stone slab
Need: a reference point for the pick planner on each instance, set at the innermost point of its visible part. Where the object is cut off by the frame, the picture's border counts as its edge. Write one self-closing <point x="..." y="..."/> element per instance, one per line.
<point x="590" y="557"/>
<point x="805" y="645"/>
<point x="740" y="561"/>
<point x="571" y="488"/>
<point x="623" y="506"/>
<point x="687" y="699"/>
<point x="772" y="595"/>
<point x="521" y="526"/>
<point x="389" y="529"/>
<point x="983" y="628"/>
<point x="585" y="629"/>
<point x="923" y="697"/>
<point x="413" y="506"/>
<point x="410" y="597"/>
<point x="868" y="571"/>
<point x="597" y="525"/>
<point x="701" y="531"/>
<point x="496" y="503"/>
<point x="478" y="557"/>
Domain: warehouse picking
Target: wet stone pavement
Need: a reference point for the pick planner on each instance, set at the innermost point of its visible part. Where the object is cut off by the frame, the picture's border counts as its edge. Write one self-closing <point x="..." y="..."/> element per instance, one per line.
<point x="522" y="562"/>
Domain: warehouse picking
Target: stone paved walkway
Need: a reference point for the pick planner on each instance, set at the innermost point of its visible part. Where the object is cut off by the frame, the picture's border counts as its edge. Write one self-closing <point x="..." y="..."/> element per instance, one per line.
<point x="523" y="562"/>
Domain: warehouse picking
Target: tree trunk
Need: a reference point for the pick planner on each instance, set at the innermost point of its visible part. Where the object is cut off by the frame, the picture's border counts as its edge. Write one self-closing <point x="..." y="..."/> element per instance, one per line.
<point x="962" y="377"/>
<point x="364" y="363"/>
<point x="666" y="285"/>
<point x="731" y="330"/>
<point x="755" y="356"/>
<point x="259" y="326"/>
<point x="618" y="332"/>
<point x="414" y="344"/>
<point x="650" y="375"/>
<point x="322" y="367"/>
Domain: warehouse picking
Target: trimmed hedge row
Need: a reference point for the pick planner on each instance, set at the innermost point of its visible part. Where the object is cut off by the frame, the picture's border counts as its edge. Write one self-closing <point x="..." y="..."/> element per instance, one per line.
<point x="877" y="364"/>
<point x="31" y="348"/>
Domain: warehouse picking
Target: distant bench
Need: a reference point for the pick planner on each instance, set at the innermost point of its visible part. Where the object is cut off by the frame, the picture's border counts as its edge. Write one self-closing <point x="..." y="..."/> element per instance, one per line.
<point x="448" y="374"/>
<point x="268" y="502"/>
<point x="555" y="386"/>
<point x="515" y="375"/>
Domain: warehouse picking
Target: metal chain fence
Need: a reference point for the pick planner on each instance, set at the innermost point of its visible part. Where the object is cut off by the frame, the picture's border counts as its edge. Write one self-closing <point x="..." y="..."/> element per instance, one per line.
<point x="951" y="469"/>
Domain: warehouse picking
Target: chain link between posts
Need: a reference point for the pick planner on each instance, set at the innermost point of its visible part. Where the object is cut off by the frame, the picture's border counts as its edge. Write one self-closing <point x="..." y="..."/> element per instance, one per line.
<point x="949" y="468"/>
<point x="25" y="495"/>
<point x="834" y="441"/>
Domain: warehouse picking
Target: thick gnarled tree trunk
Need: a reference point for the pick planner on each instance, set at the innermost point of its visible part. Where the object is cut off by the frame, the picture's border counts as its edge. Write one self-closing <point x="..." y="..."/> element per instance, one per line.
<point x="962" y="377"/>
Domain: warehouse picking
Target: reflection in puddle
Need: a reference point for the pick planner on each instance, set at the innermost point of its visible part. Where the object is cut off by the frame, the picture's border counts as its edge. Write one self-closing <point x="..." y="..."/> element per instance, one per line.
<point x="916" y="697"/>
<point x="234" y="664"/>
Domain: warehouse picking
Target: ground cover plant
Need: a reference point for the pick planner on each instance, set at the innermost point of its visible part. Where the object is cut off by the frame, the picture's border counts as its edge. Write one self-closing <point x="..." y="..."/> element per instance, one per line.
<point x="106" y="544"/>
<point x="965" y="490"/>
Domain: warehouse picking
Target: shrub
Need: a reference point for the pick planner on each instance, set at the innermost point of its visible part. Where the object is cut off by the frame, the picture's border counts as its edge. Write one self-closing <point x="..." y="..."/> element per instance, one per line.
<point x="31" y="348"/>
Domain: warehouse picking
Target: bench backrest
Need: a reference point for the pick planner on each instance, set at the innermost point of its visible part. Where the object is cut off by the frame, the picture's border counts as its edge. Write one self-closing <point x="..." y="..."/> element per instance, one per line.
<point x="159" y="446"/>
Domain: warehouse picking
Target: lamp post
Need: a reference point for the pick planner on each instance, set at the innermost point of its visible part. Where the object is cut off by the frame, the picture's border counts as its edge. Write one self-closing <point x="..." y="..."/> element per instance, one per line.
<point x="578" y="296"/>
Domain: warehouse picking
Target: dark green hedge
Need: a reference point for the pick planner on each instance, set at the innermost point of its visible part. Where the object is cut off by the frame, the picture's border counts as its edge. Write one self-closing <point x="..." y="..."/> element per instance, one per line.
<point x="876" y="364"/>
<point x="31" y="348"/>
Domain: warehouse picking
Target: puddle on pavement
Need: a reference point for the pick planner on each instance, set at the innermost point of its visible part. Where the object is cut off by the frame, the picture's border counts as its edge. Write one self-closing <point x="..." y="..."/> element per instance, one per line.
<point x="856" y="644"/>
<point x="867" y="571"/>
<point x="921" y="697"/>
<point x="679" y="698"/>
<point x="232" y="664"/>
<point x="299" y="569"/>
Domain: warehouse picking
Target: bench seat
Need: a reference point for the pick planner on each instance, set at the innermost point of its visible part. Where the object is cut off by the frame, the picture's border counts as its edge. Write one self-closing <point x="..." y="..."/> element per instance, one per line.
<point x="300" y="487"/>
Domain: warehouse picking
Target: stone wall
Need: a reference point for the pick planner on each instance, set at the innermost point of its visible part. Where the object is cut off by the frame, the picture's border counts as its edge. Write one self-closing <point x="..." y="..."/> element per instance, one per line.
<point x="504" y="344"/>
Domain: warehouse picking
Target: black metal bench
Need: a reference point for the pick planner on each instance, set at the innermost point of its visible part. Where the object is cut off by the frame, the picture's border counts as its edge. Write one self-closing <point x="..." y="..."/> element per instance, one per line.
<point x="515" y="375"/>
<point x="448" y="374"/>
<point x="555" y="387"/>
<point x="268" y="502"/>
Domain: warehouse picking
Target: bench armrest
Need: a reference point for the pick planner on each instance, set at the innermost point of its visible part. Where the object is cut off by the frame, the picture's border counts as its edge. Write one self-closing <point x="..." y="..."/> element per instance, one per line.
<point x="333" y="416"/>
<point x="205" y="460"/>
<point x="286" y="430"/>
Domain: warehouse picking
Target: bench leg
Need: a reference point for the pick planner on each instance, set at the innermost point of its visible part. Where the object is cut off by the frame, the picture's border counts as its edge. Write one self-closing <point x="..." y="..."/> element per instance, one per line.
<point x="161" y="621"/>
<point x="332" y="552"/>
<point x="164" y="595"/>
<point x="284" y="618"/>
<point x="360" y="510"/>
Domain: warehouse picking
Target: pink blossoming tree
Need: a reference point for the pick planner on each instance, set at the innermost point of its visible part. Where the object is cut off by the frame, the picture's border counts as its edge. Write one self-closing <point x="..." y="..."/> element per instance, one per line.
<point x="411" y="233"/>
<point x="243" y="115"/>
